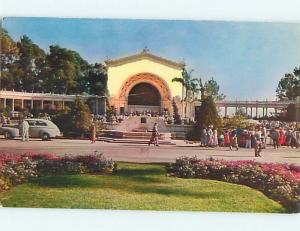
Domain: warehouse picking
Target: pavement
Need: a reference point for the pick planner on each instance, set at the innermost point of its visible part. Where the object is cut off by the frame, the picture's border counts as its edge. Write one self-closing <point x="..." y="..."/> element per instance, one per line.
<point x="142" y="153"/>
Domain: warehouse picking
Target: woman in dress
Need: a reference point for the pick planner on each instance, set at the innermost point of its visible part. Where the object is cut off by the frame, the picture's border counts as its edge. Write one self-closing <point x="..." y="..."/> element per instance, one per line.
<point x="93" y="133"/>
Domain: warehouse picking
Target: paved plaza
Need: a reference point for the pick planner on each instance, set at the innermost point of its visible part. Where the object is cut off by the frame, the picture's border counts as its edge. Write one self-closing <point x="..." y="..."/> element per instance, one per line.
<point x="142" y="153"/>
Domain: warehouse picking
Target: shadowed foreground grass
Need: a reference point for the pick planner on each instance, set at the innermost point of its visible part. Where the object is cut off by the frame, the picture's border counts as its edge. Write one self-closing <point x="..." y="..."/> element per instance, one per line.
<point x="137" y="187"/>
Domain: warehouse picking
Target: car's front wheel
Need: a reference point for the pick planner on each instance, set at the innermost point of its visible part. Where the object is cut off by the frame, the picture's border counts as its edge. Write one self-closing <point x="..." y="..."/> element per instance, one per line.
<point x="45" y="136"/>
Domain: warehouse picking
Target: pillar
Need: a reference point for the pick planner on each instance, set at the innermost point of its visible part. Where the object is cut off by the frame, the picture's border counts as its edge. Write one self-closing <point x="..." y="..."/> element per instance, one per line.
<point x="97" y="106"/>
<point x="256" y="112"/>
<point x="267" y="111"/>
<point x="42" y="104"/>
<point x="4" y="102"/>
<point x="225" y="111"/>
<point x="52" y="104"/>
<point x="275" y="110"/>
<point x="13" y="104"/>
<point x="31" y="104"/>
<point x="63" y="104"/>
<point x="246" y="111"/>
<point x="22" y="103"/>
<point x="251" y="112"/>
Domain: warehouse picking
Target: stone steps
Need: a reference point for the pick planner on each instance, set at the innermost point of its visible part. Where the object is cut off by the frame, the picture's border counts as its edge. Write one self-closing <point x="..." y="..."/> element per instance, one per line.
<point x="133" y="141"/>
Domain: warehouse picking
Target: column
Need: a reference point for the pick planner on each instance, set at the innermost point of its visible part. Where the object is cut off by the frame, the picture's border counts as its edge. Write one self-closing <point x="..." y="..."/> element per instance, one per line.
<point x="52" y="104"/>
<point x="22" y="103"/>
<point x="63" y="104"/>
<point x="42" y="104"/>
<point x="225" y="111"/>
<point x="267" y="111"/>
<point x="246" y="111"/>
<point x="251" y="112"/>
<point x="13" y="104"/>
<point x="256" y="112"/>
<point x="97" y="106"/>
<point x="4" y="102"/>
<point x="31" y="104"/>
<point x="275" y="110"/>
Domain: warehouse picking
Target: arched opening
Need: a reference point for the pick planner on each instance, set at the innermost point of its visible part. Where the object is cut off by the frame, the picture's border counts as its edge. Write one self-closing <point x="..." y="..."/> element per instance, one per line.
<point x="144" y="94"/>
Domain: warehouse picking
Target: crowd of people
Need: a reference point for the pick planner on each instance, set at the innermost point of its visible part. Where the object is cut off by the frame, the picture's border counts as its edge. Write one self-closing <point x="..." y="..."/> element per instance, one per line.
<point x="287" y="135"/>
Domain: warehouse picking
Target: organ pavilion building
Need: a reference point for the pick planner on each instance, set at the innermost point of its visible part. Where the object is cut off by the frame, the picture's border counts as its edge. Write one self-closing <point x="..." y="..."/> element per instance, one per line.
<point x="143" y="82"/>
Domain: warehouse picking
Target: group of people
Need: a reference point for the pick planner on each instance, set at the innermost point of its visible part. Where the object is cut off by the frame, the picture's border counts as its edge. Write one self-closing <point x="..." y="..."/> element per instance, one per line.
<point x="255" y="137"/>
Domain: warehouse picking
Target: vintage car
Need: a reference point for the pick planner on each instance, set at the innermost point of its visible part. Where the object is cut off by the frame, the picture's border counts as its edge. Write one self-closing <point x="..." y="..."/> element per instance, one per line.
<point x="38" y="128"/>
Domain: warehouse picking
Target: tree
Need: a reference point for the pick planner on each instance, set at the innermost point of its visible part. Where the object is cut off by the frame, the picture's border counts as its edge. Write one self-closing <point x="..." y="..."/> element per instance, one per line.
<point x="66" y="71"/>
<point x="96" y="80"/>
<point x="30" y="66"/>
<point x="289" y="86"/>
<point x="186" y="82"/>
<point x="207" y="113"/>
<point x="176" y="116"/>
<point x="212" y="88"/>
<point x="293" y="112"/>
<point x="9" y="53"/>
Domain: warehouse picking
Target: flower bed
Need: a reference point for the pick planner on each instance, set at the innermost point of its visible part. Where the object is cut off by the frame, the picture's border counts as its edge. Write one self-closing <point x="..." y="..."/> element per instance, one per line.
<point x="280" y="182"/>
<point x="17" y="169"/>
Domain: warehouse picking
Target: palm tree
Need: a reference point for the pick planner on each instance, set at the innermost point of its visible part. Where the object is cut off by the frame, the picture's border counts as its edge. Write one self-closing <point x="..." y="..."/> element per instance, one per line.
<point x="187" y="84"/>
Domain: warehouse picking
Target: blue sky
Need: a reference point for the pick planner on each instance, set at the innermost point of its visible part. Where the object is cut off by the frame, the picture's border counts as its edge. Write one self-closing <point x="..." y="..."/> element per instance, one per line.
<point x="246" y="58"/>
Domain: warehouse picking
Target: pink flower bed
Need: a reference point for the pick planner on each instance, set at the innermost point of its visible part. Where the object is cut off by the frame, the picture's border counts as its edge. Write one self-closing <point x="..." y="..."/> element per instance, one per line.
<point x="280" y="182"/>
<point x="17" y="169"/>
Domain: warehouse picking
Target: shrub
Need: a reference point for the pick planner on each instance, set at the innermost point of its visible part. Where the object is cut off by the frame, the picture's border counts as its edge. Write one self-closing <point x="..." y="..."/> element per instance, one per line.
<point x="17" y="169"/>
<point x="280" y="182"/>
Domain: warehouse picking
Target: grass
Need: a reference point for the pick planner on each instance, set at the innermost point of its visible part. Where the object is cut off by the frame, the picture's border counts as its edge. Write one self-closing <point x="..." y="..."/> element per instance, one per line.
<point x="137" y="187"/>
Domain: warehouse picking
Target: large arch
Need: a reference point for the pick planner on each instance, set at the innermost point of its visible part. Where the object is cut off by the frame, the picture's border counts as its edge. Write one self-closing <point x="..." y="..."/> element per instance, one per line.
<point x="121" y="100"/>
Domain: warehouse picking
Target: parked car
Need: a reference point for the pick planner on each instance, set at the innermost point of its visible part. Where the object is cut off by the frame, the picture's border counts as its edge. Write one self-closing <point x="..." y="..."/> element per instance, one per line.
<point x="38" y="128"/>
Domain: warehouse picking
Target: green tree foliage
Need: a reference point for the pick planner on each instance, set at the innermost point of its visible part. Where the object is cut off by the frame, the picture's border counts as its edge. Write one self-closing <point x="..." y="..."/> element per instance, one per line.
<point x="293" y="112"/>
<point x="26" y="67"/>
<point x="289" y="86"/>
<point x="207" y="113"/>
<point x="212" y="88"/>
<point x="66" y="71"/>
<point x="73" y="121"/>
<point x="30" y="65"/>
<point x="96" y="80"/>
<point x="9" y="54"/>
<point x="176" y="116"/>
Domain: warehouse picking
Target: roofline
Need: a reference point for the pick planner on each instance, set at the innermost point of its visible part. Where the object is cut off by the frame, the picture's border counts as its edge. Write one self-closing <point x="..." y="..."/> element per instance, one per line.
<point x="140" y="56"/>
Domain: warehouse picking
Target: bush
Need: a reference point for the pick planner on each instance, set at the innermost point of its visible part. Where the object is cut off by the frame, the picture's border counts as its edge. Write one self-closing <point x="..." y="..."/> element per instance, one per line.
<point x="17" y="169"/>
<point x="280" y="182"/>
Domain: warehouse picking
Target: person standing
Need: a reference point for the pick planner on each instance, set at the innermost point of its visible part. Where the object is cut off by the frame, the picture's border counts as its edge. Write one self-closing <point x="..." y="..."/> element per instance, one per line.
<point x="248" y="139"/>
<point x="25" y="130"/>
<point x="275" y="137"/>
<point x="215" y="138"/>
<point x="93" y="132"/>
<point x="226" y="138"/>
<point x="203" y="136"/>
<point x="209" y="136"/>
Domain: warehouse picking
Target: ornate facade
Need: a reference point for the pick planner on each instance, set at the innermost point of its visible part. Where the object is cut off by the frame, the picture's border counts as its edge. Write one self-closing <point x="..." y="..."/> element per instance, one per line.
<point x="126" y="73"/>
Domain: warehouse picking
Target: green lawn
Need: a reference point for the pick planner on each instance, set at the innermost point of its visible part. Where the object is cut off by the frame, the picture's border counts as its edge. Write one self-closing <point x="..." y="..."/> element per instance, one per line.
<point x="138" y="187"/>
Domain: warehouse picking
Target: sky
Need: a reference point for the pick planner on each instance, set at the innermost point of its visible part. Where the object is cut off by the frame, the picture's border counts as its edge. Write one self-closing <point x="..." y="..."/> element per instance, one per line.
<point x="247" y="59"/>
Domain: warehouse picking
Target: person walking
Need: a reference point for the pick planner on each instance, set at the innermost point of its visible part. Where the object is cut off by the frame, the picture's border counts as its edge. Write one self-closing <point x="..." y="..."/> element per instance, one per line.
<point x="154" y="135"/>
<point x="233" y="140"/>
<point x="24" y="130"/>
<point x="257" y="143"/>
<point x="93" y="132"/>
